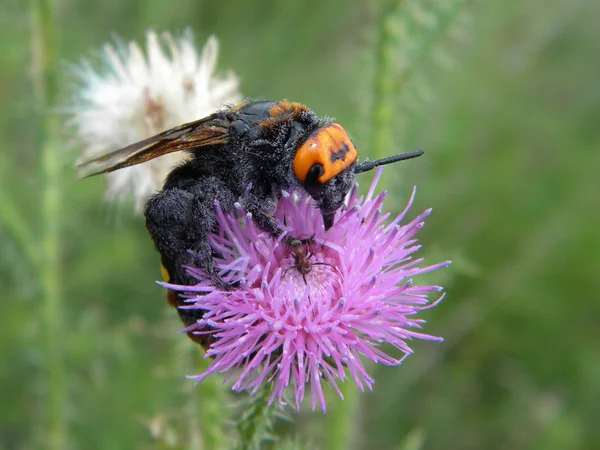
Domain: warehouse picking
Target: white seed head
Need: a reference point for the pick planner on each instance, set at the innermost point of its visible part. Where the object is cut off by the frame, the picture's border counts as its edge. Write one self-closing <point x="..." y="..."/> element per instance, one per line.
<point x="136" y="95"/>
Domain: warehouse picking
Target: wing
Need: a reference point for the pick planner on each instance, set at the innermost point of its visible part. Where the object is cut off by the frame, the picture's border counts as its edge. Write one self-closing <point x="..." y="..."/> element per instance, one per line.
<point x="200" y="133"/>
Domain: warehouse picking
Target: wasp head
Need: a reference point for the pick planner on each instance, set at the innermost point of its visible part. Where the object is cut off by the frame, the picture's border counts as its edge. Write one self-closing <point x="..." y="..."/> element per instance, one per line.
<point x="323" y="164"/>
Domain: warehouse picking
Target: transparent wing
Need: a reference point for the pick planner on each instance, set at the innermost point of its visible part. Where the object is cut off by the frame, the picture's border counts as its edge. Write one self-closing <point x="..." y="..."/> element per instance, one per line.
<point x="189" y="136"/>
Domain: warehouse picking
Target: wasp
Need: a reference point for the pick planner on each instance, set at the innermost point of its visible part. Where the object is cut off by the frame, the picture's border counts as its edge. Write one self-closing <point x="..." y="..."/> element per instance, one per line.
<point x="246" y="153"/>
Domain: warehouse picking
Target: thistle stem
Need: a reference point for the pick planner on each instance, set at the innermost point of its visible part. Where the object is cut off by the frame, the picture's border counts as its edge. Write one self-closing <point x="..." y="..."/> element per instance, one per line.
<point x="45" y="80"/>
<point x="384" y="82"/>
<point x="255" y="425"/>
<point x="17" y="228"/>
<point x="445" y="18"/>
<point x="342" y="425"/>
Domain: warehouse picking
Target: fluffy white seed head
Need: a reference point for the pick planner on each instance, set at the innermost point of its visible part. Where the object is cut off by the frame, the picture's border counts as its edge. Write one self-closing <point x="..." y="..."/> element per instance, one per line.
<point x="138" y="94"/>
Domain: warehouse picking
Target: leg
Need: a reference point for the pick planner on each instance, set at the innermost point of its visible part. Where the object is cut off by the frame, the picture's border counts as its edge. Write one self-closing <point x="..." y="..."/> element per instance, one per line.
<point x="171" y="225"/>
<point x="262" y="206"/>
<point x="179" y="222"/>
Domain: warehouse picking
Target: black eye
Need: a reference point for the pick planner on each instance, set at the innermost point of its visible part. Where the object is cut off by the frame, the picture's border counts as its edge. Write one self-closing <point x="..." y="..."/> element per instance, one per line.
<point x="313" y="175"/>
<point x="312" y="184"/>
<point x="239" y="128"/>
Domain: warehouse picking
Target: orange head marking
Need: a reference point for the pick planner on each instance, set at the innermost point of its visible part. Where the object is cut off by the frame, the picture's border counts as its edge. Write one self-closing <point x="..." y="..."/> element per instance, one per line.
<point x="325" y="154"/>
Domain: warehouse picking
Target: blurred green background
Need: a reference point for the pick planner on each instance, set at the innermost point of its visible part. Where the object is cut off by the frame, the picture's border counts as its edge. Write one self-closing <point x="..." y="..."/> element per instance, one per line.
<point x="504" y="97"/>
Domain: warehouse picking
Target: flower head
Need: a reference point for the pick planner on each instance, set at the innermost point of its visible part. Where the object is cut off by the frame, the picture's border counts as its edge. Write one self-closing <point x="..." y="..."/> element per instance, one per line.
<point x="137" y="96"/>
<point x="289" y="323"/>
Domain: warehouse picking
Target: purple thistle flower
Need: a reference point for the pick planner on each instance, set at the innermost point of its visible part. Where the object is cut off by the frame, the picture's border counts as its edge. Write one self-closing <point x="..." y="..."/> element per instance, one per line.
<point x="287" y="325"/>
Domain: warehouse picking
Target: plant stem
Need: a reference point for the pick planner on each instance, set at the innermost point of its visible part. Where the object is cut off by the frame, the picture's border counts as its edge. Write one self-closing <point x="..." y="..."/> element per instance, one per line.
<point x="45" y="84"/>
<point x="342" y="430"/>
<point x="384" y="82"/>
<point x="17" y="228"/>
<point x="342" y="426"/>
<point x="445" y="18"/>
<point x="255" y="425"/>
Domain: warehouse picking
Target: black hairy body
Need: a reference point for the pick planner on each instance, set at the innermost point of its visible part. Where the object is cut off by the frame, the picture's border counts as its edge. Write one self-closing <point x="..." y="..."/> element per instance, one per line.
<point x="251" y="169"/>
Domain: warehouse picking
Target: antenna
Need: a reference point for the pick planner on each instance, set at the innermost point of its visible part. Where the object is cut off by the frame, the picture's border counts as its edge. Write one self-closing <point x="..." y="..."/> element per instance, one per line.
<point x="367" y="165"/>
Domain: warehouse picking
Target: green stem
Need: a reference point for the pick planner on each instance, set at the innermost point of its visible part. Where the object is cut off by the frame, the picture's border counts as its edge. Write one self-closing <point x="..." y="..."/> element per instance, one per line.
<point x="12" y="221"/>
<point x="255" y="425"/>
<point x="342" y="419"/>
<point x="342" y="427"/>
<point x="45" y="84"/>
<point x="384" y="82"/>
<point x="445" y="19"/>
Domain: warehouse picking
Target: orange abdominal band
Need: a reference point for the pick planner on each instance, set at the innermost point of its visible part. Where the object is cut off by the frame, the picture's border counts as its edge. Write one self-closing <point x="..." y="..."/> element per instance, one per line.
<point x="330" y="147"/>
<point x="165" y="274"/>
